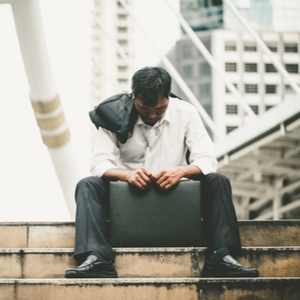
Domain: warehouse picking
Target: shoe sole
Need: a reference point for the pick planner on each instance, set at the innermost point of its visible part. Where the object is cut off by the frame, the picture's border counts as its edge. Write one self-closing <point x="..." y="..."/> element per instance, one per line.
<point x="227" y="274"/>
<point x="78" y="274"/>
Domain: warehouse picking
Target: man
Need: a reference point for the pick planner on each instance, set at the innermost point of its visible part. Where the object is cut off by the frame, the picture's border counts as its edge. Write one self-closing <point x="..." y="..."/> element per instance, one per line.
<point x="159" y="130"/>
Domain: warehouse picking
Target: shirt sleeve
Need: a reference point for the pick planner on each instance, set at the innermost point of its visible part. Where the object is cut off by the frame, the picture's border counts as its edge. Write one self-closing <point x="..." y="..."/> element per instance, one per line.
<point x="106" y="154"/>
<point x="200" y="145"/>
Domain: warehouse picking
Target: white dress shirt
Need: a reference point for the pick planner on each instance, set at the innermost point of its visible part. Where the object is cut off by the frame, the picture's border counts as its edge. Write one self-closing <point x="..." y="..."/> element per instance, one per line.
<point x="181" y="129"/>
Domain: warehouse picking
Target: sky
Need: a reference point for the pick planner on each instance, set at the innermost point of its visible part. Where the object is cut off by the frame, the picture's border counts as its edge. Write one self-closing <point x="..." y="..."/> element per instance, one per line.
<point x="30" y="191"/>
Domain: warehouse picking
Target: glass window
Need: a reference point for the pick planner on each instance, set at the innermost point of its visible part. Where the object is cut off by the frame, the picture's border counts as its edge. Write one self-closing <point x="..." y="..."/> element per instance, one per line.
<point x="205" y="69"/>
<point x="272" y="46"/>
<point x="228" y="91"/>
<point x="122" y="80"/>
<point x="291" y="47"/>
<point x="231" y="109"/>
<point x="250" y="47"/>
<point x="186" y="51"/>
<point x="292" y="68"/>
<point x="230" y="128"/>
<point x="205" y="89"/>
<point x="122" y="29"/>
<point x="250" y="67"/>
<point x="251" y="88"/>
<point x="289" y="89"/>
<point x="230" y="67"/>
<point x="122" y="68"/>
<point x="122" y="17"/>
<point x="187" y="71"/>
<point x="230" y="46"/>
<point x="269" y="107"/>
<point x="269" y="68"/>
<point x="255" y="109"/>
<point x="122" y="42"/>
<point x="270" y="88"/>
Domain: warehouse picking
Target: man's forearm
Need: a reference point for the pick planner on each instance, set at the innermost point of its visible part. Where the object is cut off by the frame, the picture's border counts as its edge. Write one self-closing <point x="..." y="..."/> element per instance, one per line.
<point x="116" y="174"/>
<point x="140" y="177"/>
<point x="191" y="171"/>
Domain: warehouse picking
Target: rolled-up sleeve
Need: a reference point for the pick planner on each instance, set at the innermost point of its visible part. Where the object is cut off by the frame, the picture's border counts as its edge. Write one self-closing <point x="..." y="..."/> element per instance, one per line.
<point x="200" y="145"/>
<point x="106" y="154"/>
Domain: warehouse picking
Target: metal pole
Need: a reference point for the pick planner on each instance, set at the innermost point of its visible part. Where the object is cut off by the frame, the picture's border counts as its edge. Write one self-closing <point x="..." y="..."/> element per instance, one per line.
<point x="258" y="40"/>
<point x="44" y="96"/>
<point x="195" y="39"/>
<point x="190" y="96"/>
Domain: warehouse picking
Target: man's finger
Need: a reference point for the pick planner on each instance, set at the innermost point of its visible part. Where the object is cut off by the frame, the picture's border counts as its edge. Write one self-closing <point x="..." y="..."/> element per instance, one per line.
<point x="145" y="177"/>
<point x="145" y="171"/>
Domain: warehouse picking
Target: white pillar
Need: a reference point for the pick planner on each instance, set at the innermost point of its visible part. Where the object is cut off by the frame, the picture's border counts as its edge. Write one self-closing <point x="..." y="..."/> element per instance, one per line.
<point x="44" y="96"/>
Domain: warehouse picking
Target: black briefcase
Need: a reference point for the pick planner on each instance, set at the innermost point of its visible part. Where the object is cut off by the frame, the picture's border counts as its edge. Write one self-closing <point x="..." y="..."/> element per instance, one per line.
<point x="155" y="218"/>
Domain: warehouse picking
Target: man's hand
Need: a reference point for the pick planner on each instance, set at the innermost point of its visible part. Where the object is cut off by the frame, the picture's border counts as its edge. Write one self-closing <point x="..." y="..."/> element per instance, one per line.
<point x="140" y="178"/>
<point x="168" y="177"/>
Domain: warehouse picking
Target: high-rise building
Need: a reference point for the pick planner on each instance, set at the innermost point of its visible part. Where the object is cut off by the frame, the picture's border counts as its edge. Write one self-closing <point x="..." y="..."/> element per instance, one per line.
<point x="262" y="15"/>
<point x="236" y="52"/>
<point x="110" y="72"/>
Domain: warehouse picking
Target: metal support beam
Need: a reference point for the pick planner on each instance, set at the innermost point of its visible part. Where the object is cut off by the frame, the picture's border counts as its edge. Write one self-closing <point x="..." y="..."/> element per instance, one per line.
<point x="44" y="97"/>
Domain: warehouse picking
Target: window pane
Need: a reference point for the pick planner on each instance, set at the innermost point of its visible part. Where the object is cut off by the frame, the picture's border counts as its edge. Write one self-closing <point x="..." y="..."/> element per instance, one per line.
<point x="230" y="128"/>
<point x="292" y="68"/>
<point x="122" y="29"/>
<point x="187" y="71"/>
<point x="230" y="46"/>
<point x="231" y="109"/>
<point x="122" y="80"/>
<point x="205" y="89"/>
<point x="186" y="51"/>
<point x="269" y="68"/>
<point x="270" y="88"/>
<point x="255" y="109"/>
<point x="291" y="47"/>
<point x="122" y="17"/>
<point x="122" y="68"/>
<point x="250" y="47"/>
<point x="230" y="67"/>
<point x="228" y="91"/>
<point x="205" y="69"/>
<point x="250" y="67"/>
<point x="272" y="46"/>
<point x="122" y="42"/>
<point x="251" y="88"/>
<point x="269" y="107"/>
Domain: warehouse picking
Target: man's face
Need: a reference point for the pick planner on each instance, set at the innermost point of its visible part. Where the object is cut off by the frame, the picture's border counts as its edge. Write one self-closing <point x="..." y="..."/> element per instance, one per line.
<point x="150" y="115"/>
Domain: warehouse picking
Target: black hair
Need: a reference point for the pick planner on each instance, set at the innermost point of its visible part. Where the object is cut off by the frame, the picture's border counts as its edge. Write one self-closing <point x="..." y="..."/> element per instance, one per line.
<point x="148" y="83"/>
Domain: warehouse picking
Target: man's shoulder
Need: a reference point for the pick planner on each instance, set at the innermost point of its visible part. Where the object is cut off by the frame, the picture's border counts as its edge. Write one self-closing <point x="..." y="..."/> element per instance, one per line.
<point x="181" y="106"/>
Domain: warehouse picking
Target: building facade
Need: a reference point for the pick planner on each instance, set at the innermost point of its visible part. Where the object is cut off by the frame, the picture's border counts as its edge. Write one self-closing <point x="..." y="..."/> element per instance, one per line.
<point x="112" y="28"/>
<point x="235" y="50"/>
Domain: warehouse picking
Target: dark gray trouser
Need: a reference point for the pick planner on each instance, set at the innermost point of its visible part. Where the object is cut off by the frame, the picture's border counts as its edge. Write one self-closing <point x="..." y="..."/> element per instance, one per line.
<point x="219" y="218"/>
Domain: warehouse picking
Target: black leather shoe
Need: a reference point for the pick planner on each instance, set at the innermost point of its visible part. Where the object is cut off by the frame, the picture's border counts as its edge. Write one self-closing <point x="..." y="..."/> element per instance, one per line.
<point x="229" y="267"/>
<point x="92" y="268"/>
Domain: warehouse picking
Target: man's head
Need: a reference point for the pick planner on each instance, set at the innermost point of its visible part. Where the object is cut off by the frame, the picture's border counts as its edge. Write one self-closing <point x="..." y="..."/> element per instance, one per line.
<point x="151" y="88"/>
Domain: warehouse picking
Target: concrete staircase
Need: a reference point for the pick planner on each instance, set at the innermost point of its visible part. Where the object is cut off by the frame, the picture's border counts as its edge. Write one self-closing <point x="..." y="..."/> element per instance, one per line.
<point x="34" y="256"/>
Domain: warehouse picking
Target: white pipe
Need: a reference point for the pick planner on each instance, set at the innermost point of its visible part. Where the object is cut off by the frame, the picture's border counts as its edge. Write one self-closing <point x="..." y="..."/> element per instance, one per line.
<point x="190" y="96"/>
<point x="29" y="28"/>
<point x="195" y="39"/>
<point x="259" y="41"/>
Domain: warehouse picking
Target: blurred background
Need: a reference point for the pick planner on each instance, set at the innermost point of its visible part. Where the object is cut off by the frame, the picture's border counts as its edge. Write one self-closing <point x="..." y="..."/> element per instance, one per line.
<point x="95" y="46"/>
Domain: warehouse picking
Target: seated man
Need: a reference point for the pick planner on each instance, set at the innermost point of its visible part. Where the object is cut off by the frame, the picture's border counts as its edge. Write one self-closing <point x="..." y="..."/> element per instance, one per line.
<point x="158" y="133"/>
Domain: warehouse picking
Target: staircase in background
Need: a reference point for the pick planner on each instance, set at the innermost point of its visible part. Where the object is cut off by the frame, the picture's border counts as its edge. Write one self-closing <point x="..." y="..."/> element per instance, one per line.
<point x="34" y="256"/>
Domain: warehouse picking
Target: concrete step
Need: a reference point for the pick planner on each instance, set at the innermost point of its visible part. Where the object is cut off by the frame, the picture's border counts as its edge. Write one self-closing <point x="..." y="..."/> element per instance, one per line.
<point x="147" y="262"/>
<point x="149" y="289"/>
<point x="62" y="235"/>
